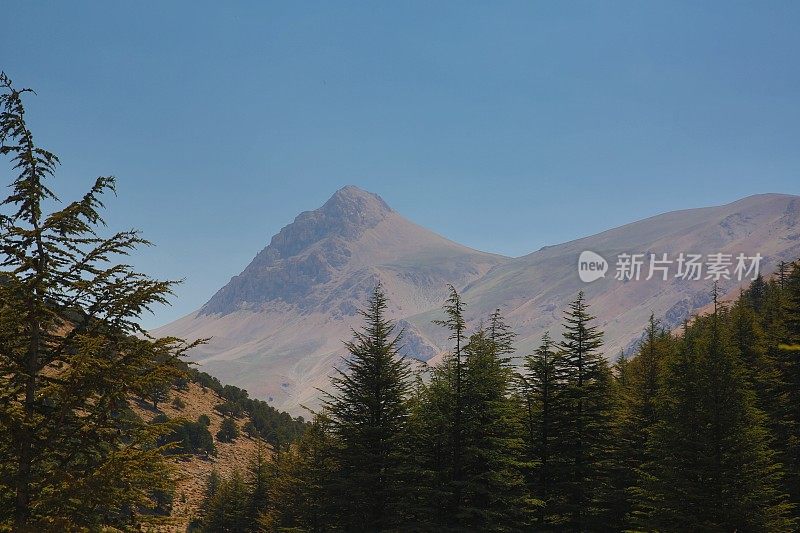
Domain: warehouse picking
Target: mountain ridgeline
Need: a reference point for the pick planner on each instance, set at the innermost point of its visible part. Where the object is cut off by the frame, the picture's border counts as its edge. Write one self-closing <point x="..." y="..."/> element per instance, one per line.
<point x="276" y="327"/>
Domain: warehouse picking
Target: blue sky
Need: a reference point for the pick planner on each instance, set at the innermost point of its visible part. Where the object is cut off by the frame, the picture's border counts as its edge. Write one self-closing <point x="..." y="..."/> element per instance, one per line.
<point x="502" y="125"/>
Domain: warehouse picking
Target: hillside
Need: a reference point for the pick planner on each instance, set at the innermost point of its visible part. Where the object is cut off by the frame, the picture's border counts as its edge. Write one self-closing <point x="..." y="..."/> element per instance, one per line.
<point x="190" y="402"/>
<point x="194" y="470"/>
<point x="533" y="290"/>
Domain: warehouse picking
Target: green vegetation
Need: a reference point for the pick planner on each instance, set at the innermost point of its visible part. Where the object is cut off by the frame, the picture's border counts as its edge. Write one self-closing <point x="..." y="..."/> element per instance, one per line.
<point x="698" y="431"/>
<point x="228" y="432"/>
<point x="72" y="354"/>
<point x="695" y="432"/>
<point x="368" y="415"/>
<point x="187" y="437"/>
<point x="276" y="427"/>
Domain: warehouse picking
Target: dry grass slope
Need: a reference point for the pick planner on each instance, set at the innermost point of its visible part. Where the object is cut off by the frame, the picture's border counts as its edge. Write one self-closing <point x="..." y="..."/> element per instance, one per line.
<point x="194" y="470"/>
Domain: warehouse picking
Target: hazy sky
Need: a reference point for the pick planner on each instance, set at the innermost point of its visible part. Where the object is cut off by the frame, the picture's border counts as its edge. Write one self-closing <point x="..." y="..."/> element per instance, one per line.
<point x="505" y="126"/>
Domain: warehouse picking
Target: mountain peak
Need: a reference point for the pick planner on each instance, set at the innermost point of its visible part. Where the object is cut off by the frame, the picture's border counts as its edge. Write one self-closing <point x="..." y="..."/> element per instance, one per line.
<point x="355" y="197"/>
<point x="304" y="254"/>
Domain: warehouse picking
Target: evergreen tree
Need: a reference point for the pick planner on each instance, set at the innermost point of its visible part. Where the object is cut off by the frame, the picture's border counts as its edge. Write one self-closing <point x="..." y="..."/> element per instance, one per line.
<point x="759" y="367"/>
<point x="589" y="397"/>
<point x="493" y="496"/>
<point x="430" y="431"/>
<point x="228" y="431"/>
<point x="622" y="369"/>
<point x="260" y="473"/>
<point x="368" y="413"/>
<point x="467" y="427"/>
<point x="543" y="392"/>
<point x="640" y="383"/>
<point x="712" y="467"/>
<point x="304" y="484"/>
<point x="454" y="373"/>
<point x="501" y="336"/>
<point x="72" y="353"/>
<point x="756" y="294"/>
<point x="226" y="508"/>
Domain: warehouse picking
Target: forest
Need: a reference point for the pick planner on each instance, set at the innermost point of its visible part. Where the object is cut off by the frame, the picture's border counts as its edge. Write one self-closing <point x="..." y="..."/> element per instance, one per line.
<point x="696" y="431"/>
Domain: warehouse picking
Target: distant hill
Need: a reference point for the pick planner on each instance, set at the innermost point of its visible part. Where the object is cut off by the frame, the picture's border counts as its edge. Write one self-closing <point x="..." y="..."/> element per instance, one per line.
<point x="278" y="326"/>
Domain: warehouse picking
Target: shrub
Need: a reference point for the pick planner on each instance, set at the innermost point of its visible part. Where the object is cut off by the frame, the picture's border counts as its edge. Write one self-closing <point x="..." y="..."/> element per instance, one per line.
<point x="190" y="437"/>
<point x="177" y="403"/>
<point x="228" y="431"/>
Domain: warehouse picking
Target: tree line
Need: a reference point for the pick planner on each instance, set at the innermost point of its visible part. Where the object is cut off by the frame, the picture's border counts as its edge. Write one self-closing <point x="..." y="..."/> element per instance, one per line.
<point x="696" y="431"/>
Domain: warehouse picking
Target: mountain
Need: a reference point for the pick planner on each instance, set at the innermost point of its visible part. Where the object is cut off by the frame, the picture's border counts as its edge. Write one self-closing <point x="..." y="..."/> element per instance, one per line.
<point x="533" y="290"/>
<point x="278" y="326"/>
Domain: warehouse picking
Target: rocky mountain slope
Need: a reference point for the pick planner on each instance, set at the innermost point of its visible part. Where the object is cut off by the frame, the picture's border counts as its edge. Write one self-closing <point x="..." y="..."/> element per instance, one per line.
<point x="278" y="326"/>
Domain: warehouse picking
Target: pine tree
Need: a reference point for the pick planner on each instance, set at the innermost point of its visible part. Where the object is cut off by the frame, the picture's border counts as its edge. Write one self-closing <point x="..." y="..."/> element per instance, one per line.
<point x="637" y="415"/>
<point x="228" y="430"/>
<point x="758" y="364"/>
<point x="454" y="373"/>
<point x="467" y="428"/>
<point x="501" y="336"/>
<point x="226" y="509"/>
<point x="260" y="473"/>
<point x="775" y="395"/>
<point x="589" y="396"/>
<point x="369" y="413"/>
<point x="72" y="352"/>
<point x="756" y="294"/>
<point x="543" y="383"/>
<point x="431" y="415"/>
<point x="622" y="369"/>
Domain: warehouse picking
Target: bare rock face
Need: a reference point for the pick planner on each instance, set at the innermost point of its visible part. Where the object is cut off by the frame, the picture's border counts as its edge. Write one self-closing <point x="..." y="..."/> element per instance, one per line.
<point x="303" y="255"/>
<point x="278" y="326"/>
